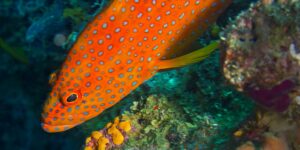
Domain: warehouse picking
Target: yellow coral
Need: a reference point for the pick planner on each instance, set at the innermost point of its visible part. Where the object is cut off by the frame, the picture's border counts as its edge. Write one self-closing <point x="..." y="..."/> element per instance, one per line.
<point x="238" y="133"/>
<point x="117" y="120"/>
<point x="117" y="136"/>
<point x="108" y="125"/>
<point x="102" y="143"/>
<point x="88" y="140"/>
<point x="88" y="148"/>
<point x="113" y="130"/>
<point x="125" y="125"/>
<point x="96" y="135"/>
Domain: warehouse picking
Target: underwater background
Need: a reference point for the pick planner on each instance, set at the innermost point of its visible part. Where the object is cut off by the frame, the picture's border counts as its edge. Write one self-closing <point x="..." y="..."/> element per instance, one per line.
<point x="244" y="95"/>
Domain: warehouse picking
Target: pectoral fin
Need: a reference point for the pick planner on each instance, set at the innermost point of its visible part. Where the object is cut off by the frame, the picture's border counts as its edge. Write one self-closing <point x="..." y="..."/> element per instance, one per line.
<point x="190" y="58"/>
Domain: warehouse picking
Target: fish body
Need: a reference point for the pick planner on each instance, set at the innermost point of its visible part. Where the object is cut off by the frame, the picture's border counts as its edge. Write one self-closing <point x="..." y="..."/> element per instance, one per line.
<point x="122" y="47"/>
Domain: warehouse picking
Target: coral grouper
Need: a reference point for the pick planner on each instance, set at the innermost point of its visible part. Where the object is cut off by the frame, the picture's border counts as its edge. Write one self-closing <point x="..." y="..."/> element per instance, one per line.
<point x="123" y="46"/>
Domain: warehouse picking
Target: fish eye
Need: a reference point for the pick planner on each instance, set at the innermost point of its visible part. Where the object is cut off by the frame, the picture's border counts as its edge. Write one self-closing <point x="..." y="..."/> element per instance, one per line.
<point x="73" y="97"/>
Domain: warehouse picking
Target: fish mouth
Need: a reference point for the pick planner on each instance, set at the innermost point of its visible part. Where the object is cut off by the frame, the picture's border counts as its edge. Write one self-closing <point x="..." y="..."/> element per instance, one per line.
<point x="56" y="128"/>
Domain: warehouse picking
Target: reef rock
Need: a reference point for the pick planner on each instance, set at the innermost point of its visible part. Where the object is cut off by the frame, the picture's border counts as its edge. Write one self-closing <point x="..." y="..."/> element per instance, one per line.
<point x="261" y="53"/>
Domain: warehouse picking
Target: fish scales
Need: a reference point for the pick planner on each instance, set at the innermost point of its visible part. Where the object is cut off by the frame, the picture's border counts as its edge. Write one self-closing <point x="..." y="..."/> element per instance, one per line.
<point x="121" y="48"/>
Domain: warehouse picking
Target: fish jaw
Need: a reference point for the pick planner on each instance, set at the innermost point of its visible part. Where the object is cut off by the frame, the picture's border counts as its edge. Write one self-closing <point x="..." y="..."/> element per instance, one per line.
<point x="52" y="122"/>
<point x="51" y="126"/>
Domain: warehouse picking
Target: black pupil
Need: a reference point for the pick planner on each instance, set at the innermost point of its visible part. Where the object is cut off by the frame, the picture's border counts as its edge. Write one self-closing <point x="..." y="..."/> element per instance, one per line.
<point x="72" y="98"/>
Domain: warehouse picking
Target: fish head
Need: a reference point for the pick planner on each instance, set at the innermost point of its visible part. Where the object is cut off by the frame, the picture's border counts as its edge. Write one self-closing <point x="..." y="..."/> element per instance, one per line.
<point x="70" y="103"/>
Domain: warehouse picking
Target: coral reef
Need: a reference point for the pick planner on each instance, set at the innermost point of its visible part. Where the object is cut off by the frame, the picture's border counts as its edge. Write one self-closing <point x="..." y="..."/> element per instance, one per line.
<point x="260" y="58"/>
<point x="260" y="53"/>
<point x="158" y="123"/>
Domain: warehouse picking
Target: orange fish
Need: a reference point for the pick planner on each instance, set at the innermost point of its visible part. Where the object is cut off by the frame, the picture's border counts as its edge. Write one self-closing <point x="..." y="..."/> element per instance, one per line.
<point x="121" y="48"/>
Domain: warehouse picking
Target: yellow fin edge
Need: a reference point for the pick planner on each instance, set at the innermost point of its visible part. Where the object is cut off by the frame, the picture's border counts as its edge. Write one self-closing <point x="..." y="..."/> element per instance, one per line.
<point x="190" y="58"/>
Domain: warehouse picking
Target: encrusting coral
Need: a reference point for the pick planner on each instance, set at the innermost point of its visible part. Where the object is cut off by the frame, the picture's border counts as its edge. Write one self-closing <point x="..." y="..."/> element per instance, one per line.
<point x="158" y="124"/>
<point x="269" y="130"/>
<point x="113" y="135"/>
<point x="270" y="142"/>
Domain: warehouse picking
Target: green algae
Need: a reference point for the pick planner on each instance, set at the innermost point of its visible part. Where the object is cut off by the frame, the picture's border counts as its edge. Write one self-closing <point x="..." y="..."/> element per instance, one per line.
<point x="16" y="52"/>
<point x="77" y="14"/>
<point x="158" y="124"/>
